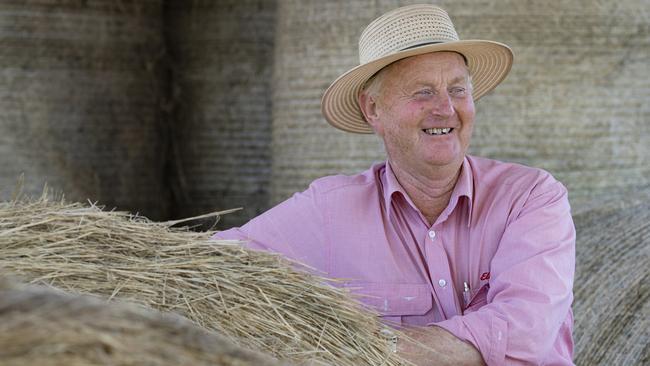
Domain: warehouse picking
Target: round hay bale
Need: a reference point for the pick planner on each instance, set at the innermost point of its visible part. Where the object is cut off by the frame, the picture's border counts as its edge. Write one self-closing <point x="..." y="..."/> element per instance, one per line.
<point x="258" y="299"/>
<point x="81" y="94"/>
<point x="45" y="327"/>
<point x="612" y="290"/>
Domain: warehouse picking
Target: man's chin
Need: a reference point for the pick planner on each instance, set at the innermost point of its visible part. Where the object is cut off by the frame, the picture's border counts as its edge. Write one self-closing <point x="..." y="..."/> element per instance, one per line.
<point x="447" y="160"/>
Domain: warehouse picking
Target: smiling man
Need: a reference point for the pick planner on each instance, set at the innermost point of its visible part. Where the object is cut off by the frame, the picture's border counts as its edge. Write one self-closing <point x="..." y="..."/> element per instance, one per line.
<point x="475" y="256"/>
<point x="423" y="109"/>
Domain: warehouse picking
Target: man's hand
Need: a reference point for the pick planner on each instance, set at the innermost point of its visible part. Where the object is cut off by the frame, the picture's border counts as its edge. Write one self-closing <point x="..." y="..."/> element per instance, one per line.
<point x="436" y="346"/>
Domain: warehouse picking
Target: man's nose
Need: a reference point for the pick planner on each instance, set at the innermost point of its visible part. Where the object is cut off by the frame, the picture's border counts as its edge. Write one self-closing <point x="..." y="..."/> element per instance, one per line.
<point x="443" y="105"/>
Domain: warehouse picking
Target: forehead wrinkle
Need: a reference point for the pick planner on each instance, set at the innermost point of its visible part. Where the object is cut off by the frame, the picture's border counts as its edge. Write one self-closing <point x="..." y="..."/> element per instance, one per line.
<point x="417" y="81"/>
<point x="459" y="79"/>
<point x="441" y="71"/>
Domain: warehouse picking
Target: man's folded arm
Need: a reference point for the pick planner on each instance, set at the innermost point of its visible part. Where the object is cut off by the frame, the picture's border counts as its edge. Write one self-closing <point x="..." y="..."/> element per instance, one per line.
<point x="531" y="282"/>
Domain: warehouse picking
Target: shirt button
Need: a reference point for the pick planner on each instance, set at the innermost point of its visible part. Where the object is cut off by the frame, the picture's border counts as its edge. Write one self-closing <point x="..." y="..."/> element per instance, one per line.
<point x="442" y="282"/>
<point x="432" y="234"/>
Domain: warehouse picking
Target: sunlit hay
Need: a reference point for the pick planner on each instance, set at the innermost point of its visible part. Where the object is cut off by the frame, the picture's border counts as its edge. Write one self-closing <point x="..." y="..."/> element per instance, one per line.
<point x="257" y="299"/>
<point x="46" y="327"/>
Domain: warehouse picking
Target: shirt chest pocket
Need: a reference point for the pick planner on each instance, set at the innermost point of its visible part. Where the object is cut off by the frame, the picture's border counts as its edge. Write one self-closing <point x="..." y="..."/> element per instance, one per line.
<point x="478" y="299"/>
<point x="393" y="301"/>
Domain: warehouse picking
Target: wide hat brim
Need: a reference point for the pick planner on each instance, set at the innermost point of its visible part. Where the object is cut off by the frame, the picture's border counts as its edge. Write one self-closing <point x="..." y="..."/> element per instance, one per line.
<point x="488" y="62"/>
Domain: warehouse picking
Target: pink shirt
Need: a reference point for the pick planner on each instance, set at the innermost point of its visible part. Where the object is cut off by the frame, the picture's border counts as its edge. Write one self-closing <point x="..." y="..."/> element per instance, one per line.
<point x="507" y="232"/>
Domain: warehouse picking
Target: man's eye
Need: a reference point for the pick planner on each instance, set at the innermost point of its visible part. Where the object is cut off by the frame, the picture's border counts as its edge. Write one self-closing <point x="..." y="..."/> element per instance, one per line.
<point x="424" y="92"/>
<point x="457" y="91"/>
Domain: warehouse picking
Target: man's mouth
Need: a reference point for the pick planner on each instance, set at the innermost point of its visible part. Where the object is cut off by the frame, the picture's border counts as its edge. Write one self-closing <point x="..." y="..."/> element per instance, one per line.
<point x="438" y="131"/>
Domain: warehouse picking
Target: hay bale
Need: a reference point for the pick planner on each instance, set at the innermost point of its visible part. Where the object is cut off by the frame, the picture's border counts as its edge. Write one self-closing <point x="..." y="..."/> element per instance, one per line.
<point x="611" y="289"/>
<point x="221" y="53"/>
<point x="81" y="92"/>
<point x="258" y="299"/>
<point x="42" y="326"/>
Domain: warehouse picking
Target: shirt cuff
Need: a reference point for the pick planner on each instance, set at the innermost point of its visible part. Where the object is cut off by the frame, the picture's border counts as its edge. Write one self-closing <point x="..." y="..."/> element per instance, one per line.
<point x="488" y="334"/>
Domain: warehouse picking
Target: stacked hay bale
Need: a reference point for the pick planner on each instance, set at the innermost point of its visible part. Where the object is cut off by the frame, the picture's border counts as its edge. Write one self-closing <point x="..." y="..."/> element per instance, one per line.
<point x="257" y="299"/>
<point x="81" y="90"/>
<point x="612" y="292"/>
<point x="42" y="326"/>
<point x="221" y="54"/>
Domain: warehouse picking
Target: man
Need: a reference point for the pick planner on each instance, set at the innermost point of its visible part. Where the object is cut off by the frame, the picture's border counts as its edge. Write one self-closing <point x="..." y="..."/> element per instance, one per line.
<point x="477" y="254"/>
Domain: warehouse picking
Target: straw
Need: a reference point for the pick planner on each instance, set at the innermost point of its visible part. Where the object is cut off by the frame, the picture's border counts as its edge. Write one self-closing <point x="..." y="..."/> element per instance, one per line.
<point x="257" y="299"/>
<point x="45" y="327"/>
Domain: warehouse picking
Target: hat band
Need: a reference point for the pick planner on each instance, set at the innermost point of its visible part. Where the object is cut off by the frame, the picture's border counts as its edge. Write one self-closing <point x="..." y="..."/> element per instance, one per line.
<point x="428" y="43"/>
<point x="419" y="44"/>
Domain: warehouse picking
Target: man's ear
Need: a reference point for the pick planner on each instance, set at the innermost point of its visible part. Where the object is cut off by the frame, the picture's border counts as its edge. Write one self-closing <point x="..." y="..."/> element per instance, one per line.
<point x="369" y="110"/>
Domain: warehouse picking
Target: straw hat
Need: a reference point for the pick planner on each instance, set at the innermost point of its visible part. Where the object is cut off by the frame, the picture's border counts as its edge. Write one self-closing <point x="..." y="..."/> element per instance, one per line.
<point x="404" y="32"/>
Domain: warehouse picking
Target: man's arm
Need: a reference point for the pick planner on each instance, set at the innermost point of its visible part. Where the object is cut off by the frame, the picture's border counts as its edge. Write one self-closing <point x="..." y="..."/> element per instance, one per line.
<point x="531" y="283"/>
<point x="436" y="346"/>
<point x="293" y="228"/>
<point x="528" y="300"/>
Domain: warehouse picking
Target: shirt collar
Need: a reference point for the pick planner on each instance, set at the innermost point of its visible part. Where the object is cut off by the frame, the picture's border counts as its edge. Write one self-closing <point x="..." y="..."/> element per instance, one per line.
<point x="392" y="187"/>
<point x="464" y="188"/>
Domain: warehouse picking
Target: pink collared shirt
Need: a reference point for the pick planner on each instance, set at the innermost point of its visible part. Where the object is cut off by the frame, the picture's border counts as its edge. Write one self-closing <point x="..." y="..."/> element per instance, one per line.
<point x="507" y="233"/>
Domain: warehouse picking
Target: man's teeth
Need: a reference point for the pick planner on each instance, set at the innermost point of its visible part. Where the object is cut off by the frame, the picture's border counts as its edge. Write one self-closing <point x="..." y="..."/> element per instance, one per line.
<point x="438" y="131"/>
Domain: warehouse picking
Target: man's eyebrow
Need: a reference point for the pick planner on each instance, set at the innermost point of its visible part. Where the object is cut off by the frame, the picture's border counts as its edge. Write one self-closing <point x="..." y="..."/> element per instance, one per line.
<point x="456" y="80"/>
<point x="459" y="79"/>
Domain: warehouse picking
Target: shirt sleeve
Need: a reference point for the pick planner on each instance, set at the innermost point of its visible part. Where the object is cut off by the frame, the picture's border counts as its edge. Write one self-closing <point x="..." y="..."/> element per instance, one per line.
<point x="531" y="284"/>
<point x="293" y="228"/>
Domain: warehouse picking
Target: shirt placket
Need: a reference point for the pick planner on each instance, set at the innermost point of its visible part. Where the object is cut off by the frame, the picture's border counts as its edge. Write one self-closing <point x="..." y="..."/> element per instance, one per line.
<point x="440" y="272"/>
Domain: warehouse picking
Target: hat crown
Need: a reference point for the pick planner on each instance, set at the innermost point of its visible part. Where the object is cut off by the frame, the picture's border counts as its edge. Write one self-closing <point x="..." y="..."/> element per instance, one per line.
<point x="404" y="28"/>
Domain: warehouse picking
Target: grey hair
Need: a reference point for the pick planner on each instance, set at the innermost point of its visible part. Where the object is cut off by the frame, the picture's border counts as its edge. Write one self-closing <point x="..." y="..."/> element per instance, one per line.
<point x="372" y="86"/>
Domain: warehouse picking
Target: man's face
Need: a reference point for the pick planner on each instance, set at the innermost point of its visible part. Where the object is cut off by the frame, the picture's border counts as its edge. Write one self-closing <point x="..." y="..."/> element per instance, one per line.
<point x="424" y="110"/>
